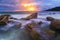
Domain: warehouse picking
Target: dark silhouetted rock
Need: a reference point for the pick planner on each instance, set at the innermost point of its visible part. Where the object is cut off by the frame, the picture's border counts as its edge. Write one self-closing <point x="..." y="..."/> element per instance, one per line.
<point x="50" y="19"/>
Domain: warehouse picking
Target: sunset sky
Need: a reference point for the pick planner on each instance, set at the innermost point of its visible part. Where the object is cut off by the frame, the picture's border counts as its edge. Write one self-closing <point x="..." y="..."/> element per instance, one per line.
<point x="16" y="5"/>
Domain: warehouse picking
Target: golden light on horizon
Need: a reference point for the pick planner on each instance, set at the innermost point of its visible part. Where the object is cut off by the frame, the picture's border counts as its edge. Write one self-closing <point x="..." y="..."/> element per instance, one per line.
<point x="29" y="6"/>
<point x="31" y="9"/>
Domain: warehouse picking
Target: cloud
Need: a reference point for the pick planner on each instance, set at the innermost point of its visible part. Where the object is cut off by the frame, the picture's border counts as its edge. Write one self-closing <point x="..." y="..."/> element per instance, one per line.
<point x="6" y="5"/>
<point x="43" y="4"/>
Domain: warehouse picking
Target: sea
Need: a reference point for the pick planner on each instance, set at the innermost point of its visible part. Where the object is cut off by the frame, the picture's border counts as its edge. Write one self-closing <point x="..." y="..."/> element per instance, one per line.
<point x="9" y="32"/>
<point x="43" y="14"/>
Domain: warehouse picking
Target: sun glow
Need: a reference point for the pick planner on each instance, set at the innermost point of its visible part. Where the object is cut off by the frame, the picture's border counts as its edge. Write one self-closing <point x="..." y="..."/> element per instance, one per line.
<point x="29" y="6"/>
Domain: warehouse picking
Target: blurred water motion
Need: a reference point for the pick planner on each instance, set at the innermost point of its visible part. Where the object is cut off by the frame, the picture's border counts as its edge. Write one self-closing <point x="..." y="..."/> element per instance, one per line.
<point x="12" y="33"/>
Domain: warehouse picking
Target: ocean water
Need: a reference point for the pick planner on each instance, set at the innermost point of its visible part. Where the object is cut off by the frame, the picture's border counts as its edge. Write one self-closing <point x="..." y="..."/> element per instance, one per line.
<point x="10" y="33"/>
<point x="54" y="14"/>
<point x="44" y="14"/>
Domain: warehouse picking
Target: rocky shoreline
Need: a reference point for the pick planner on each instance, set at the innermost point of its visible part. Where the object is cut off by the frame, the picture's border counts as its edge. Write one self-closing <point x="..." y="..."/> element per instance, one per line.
<point x="36" y="30"/>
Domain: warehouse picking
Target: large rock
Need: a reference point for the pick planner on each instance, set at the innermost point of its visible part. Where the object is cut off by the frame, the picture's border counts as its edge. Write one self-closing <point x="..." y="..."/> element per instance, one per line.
<point x="50" y="19"/>
<point x="55" y="25"/>
<point x="32" y="16"/>
<point x="4" y="19"/>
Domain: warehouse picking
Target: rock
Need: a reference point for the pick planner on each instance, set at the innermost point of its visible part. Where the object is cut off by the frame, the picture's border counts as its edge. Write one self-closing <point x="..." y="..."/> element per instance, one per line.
<point x="36" y="36"/>
<point x="24" y="19"/>
<point x="49" y="32"/>
<point x="33" y="15"/>
<point x="40" y="22"/>
<point x="18" y="25"/>
<point x="55" y="25"/>
<point x="50" y="19"/>
<point x="30" y="26"/>
<point x="13" y="18"/>
<point x="4" y="19"/>
<point x="2" y="23"/>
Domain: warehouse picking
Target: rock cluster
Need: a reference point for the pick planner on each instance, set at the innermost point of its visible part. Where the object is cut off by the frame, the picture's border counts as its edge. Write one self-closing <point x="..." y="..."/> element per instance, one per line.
<point x="51" y="32"/>
<point x="30" y="29"/>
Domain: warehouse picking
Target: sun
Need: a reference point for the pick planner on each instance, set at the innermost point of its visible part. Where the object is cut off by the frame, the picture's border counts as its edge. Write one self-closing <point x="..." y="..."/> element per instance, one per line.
<point x="30" y="9"/>
<point x="29" y="6"/>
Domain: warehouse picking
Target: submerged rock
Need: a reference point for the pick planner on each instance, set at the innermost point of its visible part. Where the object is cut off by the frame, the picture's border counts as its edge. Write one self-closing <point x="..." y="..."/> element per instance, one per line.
<point x="40" y="22"/>
<point x="18" y="25"/>
<point x="50" y="19"/>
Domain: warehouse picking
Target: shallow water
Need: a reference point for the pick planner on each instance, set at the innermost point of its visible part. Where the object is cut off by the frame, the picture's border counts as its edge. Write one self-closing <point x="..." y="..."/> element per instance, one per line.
<point x="15" y="34"/>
